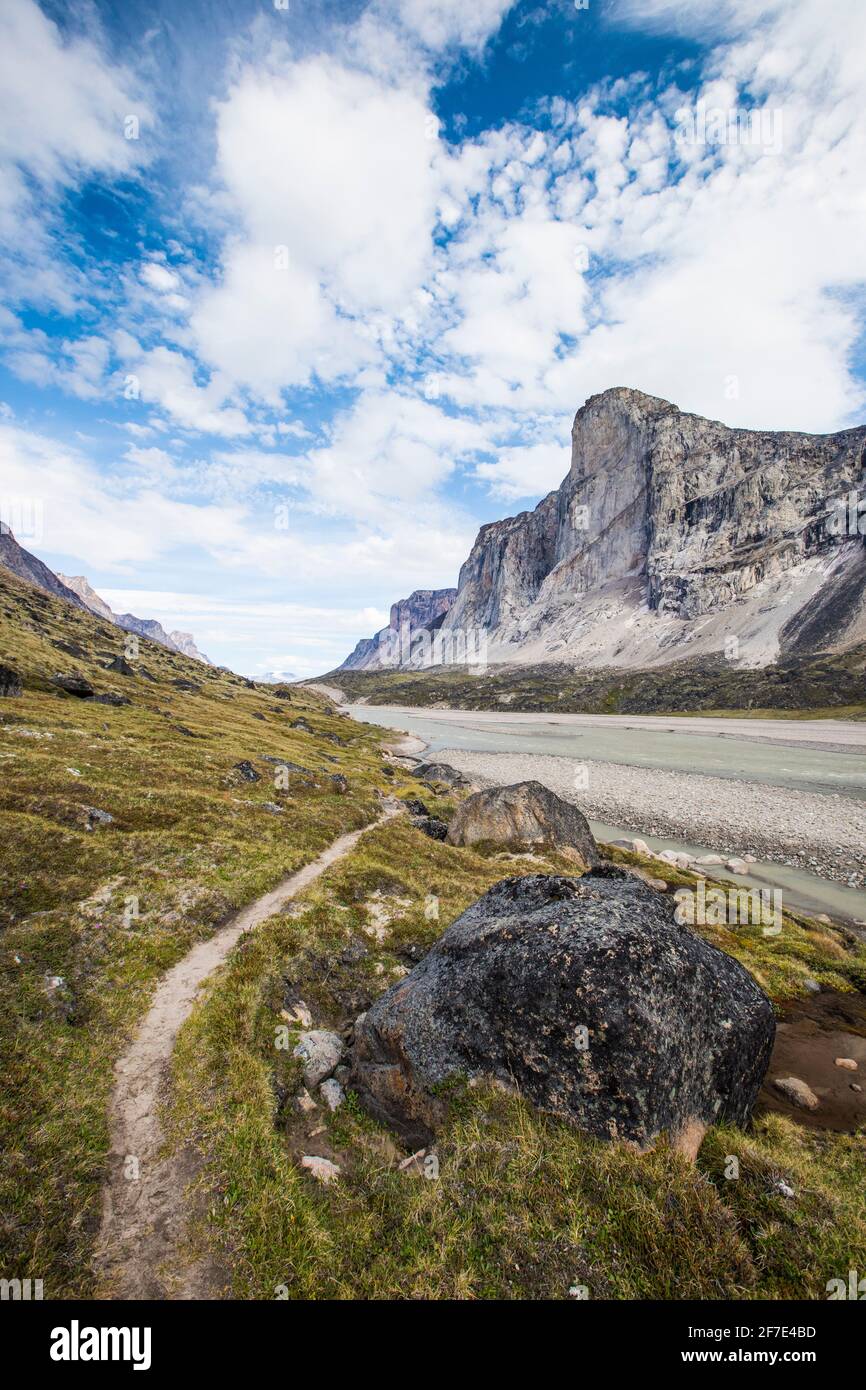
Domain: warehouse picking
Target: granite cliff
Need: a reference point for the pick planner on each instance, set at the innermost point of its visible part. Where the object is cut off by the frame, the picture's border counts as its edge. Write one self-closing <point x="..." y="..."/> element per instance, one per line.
<point x="674" y="536"/>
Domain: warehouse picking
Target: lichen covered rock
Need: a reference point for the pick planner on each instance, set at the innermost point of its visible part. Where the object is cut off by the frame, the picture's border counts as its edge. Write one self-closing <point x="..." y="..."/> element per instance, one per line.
<point x="587" y="997"/>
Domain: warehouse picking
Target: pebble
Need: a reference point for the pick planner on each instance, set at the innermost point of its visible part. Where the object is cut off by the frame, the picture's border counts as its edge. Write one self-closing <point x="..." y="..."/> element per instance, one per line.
<point x="332" y="1094"/>
<point x="321" y="1052"/>
<point x="847" y="1062"/>
<point x="304" y="1102"/>
<point x="321" y="1168"/>
<point x="797" y="1092"/>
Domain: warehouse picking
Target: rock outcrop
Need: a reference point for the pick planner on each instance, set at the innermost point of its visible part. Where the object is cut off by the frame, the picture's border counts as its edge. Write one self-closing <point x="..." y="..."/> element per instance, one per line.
<point x="26" y="566"/>
<point x="423" y="611"/>
<point x="524" y="816"/>
<point x="672" y="535"/>
<point x="584" y="995"/>
<point x="10" y="683"/>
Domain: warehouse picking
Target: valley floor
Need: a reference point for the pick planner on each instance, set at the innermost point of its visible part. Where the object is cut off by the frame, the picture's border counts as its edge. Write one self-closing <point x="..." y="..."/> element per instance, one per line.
<point x="823" y="835"/>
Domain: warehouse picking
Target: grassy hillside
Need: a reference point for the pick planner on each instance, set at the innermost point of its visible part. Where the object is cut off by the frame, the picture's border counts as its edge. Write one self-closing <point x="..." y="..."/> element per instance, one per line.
<point x="832" y="685"/>
<point x="92" y="912"/>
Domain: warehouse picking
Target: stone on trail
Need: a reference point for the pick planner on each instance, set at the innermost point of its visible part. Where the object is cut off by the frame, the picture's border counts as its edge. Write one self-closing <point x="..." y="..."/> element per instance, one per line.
<point x="321" y="1052"/>
<point x="586" y="996"/>
<point x="524" y="814"/>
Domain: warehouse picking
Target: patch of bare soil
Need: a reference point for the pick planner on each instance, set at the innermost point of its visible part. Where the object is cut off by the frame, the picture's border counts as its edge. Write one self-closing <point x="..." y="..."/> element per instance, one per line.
<point x="809" y="1038"/>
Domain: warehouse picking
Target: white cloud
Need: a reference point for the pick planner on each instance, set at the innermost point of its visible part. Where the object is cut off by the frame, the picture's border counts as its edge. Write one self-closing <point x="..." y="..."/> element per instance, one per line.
<point x="529" y="471"/>
<point x="442" y="23"/>
<point x="330" y="172"/>
<point x="62" y="112"/>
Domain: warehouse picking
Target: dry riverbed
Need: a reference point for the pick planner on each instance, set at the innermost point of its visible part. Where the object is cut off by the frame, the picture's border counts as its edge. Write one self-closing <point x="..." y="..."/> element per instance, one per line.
<point x="823" y="835"/>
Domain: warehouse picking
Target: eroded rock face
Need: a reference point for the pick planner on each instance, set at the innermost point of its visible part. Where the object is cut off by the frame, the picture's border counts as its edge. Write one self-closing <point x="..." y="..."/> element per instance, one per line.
<point x="524" y="815"/>
<point x="586" y="996"/>
<point x="669" y="535"/>
<point x="422" y="611"/>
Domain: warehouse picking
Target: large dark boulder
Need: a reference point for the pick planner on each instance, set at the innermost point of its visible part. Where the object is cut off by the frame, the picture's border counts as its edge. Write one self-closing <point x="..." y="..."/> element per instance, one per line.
<point x="522" y="816"/>
<point x="586" y="996"/>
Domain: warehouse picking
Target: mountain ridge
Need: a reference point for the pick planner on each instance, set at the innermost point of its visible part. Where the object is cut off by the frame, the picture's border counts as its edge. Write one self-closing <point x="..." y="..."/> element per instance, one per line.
<point x="670" y="535"/>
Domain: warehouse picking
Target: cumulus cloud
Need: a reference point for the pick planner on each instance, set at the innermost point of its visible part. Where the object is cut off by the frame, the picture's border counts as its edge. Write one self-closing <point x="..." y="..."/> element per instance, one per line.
<point x="330" y="172"/>
<point x="63" y="108"/>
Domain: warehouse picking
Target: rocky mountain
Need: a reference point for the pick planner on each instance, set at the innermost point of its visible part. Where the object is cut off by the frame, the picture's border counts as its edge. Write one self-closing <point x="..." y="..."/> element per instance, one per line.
<point x="26" y="566"/>
<point x="425" y="609"/>
<point x="77" y="589"/>
<point x="185" y="642"/>
<point x="88" y="595"/>
<point x="673" y="536"/>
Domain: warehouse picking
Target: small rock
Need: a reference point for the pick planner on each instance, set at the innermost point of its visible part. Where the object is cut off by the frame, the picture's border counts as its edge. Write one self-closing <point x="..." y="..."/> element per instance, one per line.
<point x="97" y="817"/>
<point x="797" y="1092"/>
<point x="710" y="860"/>
<point x="272" y="808"/>
<point x="640" y="847"/>
<point x="854" y="1086"/>
<point x="525" y="814"/>
<point x="339" y="783"/>
<point x="784" y="1189"/>
<point x="320" y="1051"/>
<point x="737" y="866"/>
<point x="415" y="806"/>
<point x="74" y="684"/>
<point x="304" y="1102"/>
<point x="322" y="1169"/>
<point x="121" y="666"/>
<point x="332" y="1093"/>
<point x="430" y="825"/>
<point x="247" y="771"/>
<point x="847" y="1063"/>
<point x="749" y="859"/>
<point x="812" y="986"/>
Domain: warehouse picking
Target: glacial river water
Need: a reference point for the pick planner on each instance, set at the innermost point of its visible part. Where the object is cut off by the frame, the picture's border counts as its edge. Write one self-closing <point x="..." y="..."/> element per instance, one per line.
<point x="823" y="757"/>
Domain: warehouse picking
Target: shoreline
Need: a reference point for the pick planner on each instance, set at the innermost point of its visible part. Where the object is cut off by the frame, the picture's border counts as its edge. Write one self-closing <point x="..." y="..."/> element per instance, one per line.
<point x="729" y="816"/>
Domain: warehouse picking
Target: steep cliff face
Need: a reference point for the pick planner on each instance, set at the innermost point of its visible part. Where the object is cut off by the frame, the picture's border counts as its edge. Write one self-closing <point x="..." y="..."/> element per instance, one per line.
<point x="672" y="532"/>
<point x="424" y="610"/>
<point x="26" y="566"/>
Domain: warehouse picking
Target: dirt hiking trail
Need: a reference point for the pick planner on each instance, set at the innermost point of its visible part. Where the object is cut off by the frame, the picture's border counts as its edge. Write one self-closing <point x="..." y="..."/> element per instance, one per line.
<point x="143" y="1219"/>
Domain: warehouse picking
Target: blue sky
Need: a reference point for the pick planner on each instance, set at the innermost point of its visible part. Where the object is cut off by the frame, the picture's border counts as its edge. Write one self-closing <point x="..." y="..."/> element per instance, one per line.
<point x="295" y="297"/>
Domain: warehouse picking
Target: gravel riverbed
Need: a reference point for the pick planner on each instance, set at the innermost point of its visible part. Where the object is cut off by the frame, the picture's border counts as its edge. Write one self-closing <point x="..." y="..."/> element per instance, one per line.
<point x="821" y="834"/>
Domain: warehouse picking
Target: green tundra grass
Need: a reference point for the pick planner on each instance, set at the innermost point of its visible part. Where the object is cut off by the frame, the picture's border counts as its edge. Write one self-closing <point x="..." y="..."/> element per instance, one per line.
<point x="522" y="1207"/>
<point x="91" y="917"/>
